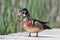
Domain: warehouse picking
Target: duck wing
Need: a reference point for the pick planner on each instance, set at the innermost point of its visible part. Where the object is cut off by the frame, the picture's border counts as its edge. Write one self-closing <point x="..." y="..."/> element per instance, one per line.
<point x="43" y="23"/>
<point x="40" y="23"/>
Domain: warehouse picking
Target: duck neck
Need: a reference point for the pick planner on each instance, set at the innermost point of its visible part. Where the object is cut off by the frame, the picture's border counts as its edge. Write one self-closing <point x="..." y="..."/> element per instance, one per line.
<point x="26" y="19"/>
<point x="26" y="16"/>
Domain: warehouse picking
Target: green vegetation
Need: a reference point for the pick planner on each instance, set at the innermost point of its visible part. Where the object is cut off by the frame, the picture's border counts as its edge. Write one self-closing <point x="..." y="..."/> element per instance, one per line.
<point x="38" y="9"/>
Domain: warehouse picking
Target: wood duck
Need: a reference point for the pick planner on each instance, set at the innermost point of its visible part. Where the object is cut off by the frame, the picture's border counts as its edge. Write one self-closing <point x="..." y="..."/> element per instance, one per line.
<point x="32" y="25"/>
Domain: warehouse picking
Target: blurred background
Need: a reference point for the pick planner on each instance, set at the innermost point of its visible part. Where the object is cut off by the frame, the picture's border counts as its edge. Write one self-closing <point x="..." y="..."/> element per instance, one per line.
<point x="43" y="10"/>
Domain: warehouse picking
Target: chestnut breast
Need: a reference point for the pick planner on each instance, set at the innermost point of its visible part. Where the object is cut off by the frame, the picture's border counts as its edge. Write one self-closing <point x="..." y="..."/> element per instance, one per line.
<point x="26" y="22"/>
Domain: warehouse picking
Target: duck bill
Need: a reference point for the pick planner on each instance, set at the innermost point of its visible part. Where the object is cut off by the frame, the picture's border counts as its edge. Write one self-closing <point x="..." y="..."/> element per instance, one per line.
<point x="20" y="13"/>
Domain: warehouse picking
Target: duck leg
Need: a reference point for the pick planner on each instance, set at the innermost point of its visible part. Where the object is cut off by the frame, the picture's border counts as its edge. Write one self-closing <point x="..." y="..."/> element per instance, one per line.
<point x="37" y="34"/>
<point x="30" y="34"/>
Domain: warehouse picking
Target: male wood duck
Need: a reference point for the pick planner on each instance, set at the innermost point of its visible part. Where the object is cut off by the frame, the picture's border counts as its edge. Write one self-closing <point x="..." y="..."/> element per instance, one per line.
<point x="32" y="25"/>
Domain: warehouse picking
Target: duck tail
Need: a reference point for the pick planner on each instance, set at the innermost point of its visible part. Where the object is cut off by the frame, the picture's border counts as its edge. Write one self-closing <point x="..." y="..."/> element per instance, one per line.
<point x="47" y="27"/>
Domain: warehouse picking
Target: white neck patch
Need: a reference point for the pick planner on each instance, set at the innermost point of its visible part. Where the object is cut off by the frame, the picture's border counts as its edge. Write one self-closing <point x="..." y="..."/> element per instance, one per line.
<point x="24" y="15"/>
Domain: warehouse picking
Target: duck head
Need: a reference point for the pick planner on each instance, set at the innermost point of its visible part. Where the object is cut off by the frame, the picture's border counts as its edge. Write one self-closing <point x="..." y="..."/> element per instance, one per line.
<point x="24" y="12"/>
